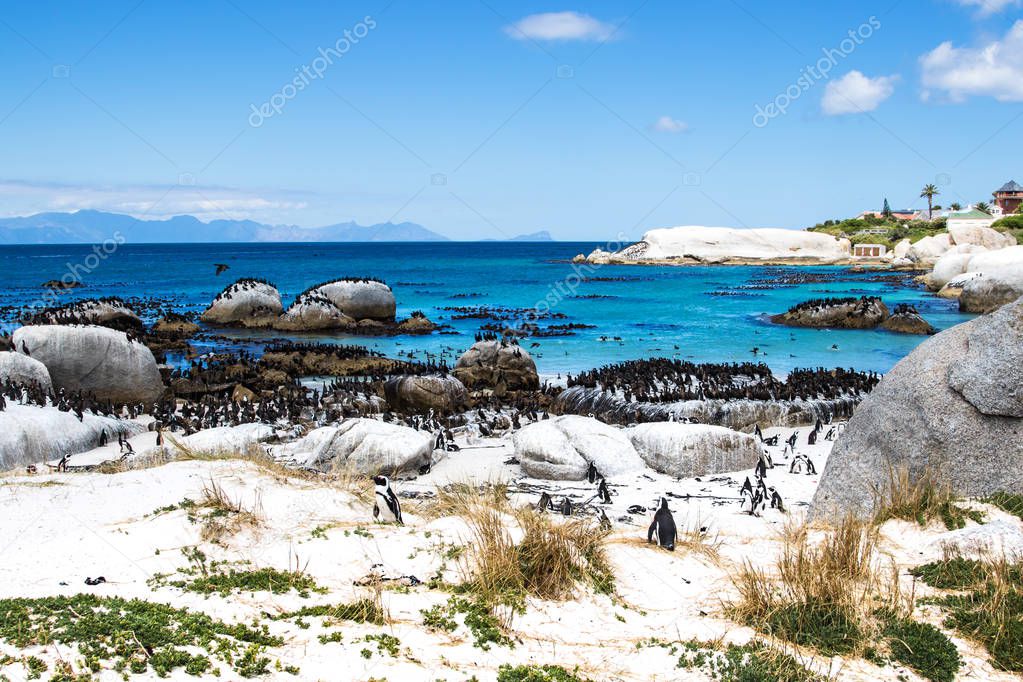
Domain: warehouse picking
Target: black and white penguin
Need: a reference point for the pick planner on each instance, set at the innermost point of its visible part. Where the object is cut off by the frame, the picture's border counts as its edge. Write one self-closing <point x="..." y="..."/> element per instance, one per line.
<point x="761" y="470"/>
<point x="603" y="492"/>
<point x="544" y="504"/>
<point x="566" y="507"/>
<point x="802" y="464"/>
<point x="386" y="508"/>
<point x="776" y="501"/>
<point x="663" y="526"/>
<point x="757" y="432"/>
<point x="605" y="523"/>
<point x="592" y="474"/>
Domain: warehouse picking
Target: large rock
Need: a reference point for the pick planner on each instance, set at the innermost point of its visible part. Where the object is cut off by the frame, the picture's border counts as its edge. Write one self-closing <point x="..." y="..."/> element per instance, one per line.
<point x="929" y="249"/>
<point x="107" y="312"/>
<point x="990" y="289"/>
<point x="740" y="415"/>
<point x="918" y="419"/>
<point x="687" y="450"/>
<point x="492" y="363"/>
<point x="563" y="448"/>
<point x="21" y="369"/>
<point x="991" y="260"/>
<point x="360" y="299"/>
<point x="901" y="249"/>
<point x="905" y="319"/>
<point x="364" y="446"/>
<point x="980" y="236"/>
<point x="951" y="264"/>
<point x="246" y="303"/>
<point x="696" y="243"/>
<point x="442" y="394"/>
<point x="865" y="312"/>
<point x="94" y="360"/>
<point x="31" y="434"/>
<point x="990" y="374"/>
<point x="313" y="311"/>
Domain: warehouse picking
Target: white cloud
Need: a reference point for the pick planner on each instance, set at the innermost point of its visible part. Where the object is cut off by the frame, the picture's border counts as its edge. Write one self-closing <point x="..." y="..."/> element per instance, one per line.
<point x="148" y="201"/>
<point x="560" y="26"/>
<point x="993" y="70"/>
<point x="989" y="7"/>
<point x="667" y="124"/>
<point x="855" y="93"/>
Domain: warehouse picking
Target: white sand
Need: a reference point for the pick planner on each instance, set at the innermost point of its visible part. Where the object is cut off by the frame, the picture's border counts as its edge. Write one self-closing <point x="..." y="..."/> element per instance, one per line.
<point x="60" y="528"/>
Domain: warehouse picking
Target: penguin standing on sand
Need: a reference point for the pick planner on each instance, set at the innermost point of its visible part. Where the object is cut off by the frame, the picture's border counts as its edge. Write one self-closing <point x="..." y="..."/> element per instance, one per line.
<point x="663" y="527"/>
<point x="592" y="474"/>
<point x="386" y="508"/>
<point x="603" y="492"/>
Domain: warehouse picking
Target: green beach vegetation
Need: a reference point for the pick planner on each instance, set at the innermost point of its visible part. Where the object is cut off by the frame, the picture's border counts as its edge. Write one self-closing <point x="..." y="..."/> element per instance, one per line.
<point x="888" y="231"/>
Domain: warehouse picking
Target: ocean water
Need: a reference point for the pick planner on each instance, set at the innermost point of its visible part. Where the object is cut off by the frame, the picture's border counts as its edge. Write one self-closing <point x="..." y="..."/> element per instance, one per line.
<point x="701" y="313"/>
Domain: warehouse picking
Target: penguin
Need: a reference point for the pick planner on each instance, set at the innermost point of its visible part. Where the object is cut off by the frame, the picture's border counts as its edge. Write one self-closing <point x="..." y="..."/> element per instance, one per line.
<point x="221" y="267"/>
<point x="544" y="504"/>
<point x="386" y="508"/>
<point x="761" y="470"/>
<point x="605" y="494"/>
<point x="663" y="526"/>
<point x="566" y="507"/>
<point x="757" y="432"/>
<point x="592" y="474"/>
<point x="605" y="523"/>
<point x="776" y="501"/>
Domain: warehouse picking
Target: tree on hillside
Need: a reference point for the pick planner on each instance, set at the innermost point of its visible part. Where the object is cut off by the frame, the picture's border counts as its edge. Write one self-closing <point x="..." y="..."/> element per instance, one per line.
<point x="887" y="210"/>
<point x="983" y="207"/>
<point x="929" y="191"/>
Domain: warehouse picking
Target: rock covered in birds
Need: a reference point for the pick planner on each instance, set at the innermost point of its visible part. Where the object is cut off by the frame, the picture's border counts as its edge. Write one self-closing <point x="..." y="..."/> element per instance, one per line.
<point x="990" y="289"/>
<point x="905" y="319"/>
<point x="360" y="298"/>
<point x="107" y="312"/>
<point x="30" y="434"/>
<point x="946" y="408"/>
<point x="312" y="311"/>
<point x="416" y="323"/>
<point x="865" y="312"/>
<point x="490" y="363"/>
<point x="442" y="394"/>
<point x="104" y="362"/>
<point x="363" y="446"/>
<point x="18" y="368"/>
<point x="246" y="303"/>
<point x="563" y="448"/>
<point x="687" y="450"/>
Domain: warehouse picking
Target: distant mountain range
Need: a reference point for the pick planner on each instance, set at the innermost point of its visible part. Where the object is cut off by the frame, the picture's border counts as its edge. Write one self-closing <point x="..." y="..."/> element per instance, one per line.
<point x="541" y="236"/>
<point x="91" y="227"/>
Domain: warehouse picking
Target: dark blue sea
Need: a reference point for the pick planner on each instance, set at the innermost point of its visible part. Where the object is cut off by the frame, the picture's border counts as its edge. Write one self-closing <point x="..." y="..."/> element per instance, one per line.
<point x="704" y="314"/>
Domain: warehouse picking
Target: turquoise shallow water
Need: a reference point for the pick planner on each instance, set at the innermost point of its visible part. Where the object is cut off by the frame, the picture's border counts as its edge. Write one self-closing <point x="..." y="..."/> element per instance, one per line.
<point x="656" y="311"/>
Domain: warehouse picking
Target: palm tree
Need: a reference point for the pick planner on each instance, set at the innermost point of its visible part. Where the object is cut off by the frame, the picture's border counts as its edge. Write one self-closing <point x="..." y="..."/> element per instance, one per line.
<point x="983" y="207"/>
<point x="929" y="191"/>
<point x="955" y="206"/>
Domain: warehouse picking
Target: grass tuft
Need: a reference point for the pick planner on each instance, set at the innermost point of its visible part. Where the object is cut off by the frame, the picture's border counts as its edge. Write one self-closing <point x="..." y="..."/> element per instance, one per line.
<point x="922" y="500"/>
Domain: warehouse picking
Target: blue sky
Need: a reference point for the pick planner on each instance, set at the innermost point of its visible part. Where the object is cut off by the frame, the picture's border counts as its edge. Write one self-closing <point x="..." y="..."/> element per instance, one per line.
<point x="485" y="119"/>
